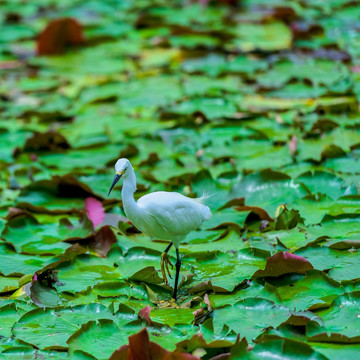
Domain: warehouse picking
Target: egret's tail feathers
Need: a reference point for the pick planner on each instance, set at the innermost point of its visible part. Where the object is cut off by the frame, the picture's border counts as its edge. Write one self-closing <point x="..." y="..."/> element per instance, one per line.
<point x="202" y="199"/>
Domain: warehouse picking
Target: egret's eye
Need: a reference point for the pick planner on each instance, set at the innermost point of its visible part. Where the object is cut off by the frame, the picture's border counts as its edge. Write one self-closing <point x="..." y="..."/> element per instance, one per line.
<point x="120" y="172"/>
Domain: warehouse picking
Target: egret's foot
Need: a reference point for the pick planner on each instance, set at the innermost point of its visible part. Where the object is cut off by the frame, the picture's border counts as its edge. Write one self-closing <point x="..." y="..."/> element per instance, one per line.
<point x="165" y="262"/>
<point x="168" y="304"/>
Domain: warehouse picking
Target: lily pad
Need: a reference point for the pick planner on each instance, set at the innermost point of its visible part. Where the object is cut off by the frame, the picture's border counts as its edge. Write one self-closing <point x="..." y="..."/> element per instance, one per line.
<point x="52" y="328"/>
<point x="244" y="317"/>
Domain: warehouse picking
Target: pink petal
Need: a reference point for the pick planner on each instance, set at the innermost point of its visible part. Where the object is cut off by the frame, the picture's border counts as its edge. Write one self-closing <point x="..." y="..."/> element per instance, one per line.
<point x="293" y="144"/>
<point x="94" y="210"/>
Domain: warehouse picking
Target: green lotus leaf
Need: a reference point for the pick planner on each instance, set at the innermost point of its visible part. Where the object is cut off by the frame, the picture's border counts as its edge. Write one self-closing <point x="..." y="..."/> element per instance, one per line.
<point x="324" y="183"/>
<point x="266" y="37"/>
<point x="341" y="321"/>
<point x="8" y="284"/>
<point x="86" y="271"/>
<point x="12" y="263"/>
<point x="22" y="352"/>
<point x="212" y="108"/>
<point x="249" y="317"/>
<point x="323" y="72"/>
<point x="323" y="258"/>
<point x="314" y="290"/>
<point x="9" y="314"/>
<point x="332" y="350"/>
<point x="51" y="328"/>
<point x="285" y="349"/>
<point x="268" y="189"/>
<point x="252" y="290"/>
<point x="223" y="272"/>
<point x="170" y="318"/>
<point x="339" y="226"/>
<point x="98" y="338"/>
<point x="28" y="236"/>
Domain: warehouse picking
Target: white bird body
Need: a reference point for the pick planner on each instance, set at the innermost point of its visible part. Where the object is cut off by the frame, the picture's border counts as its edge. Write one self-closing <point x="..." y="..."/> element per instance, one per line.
<point x="169" y="215"/>
<point x="161" y="215"/>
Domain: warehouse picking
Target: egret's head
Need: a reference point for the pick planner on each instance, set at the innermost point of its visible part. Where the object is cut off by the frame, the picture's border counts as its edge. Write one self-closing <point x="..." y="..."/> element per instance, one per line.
<point x="121" y="167"/>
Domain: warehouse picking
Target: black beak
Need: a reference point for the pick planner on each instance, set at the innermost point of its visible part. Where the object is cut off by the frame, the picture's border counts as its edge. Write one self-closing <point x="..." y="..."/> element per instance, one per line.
<point x="116" y="179"/>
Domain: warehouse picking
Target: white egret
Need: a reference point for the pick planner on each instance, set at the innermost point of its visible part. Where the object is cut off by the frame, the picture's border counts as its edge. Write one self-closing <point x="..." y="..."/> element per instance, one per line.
<point x="161" y="215"/>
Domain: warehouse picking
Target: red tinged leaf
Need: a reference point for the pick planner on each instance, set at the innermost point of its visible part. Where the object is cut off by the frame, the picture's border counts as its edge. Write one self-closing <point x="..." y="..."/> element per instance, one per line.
<point x="263" y="215"/>
<point x="284" y="263"/>
<point x="198" y="312"/>
<point x="225" y="356"/>
<point x="144" y="314"/>
<point x="102" y="241"/>
<point x="141" y="348"/>
<point x="94" y="210"/>
<point x="47" y="141"/>
<point x="120" y="354"/>
<point x="180" y="356"/>
<point x="58" y="35"/>
<point x="207" y="302"/>
<point x="14" y="212"/>
<point x="240" y="201"/>
<point x="139" y="345"/>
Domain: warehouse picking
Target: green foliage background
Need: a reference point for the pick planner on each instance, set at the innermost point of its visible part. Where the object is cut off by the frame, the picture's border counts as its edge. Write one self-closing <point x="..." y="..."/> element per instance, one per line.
<point x="255" y="104"/>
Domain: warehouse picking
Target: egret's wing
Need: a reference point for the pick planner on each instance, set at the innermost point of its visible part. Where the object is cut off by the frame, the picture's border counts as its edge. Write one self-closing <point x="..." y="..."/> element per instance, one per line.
<point x="180" y="221"/>
<point x="176" y="214"/>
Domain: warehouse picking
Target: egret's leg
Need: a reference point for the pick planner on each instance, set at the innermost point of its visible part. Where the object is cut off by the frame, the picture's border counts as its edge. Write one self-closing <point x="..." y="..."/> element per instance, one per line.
<point x="165" y="262"/>
<point x="177" y="266"/>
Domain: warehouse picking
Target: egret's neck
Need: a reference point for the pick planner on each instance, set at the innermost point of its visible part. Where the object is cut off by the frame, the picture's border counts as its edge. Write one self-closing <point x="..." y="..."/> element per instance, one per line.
<point x="127" y="193"/>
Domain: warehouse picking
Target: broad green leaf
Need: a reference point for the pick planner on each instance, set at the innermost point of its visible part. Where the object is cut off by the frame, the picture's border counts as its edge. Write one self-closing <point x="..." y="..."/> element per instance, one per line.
<point x="12" y="263"/>
<point x="52" y="328"/>
<point x="334" y="351"/>
<point x="98" y="338"/>
<point x="224" y="271"/>
<point x="285" y="350"/>
<point x="314" y="290"/>
<point x="324" y="183"/>
<point x="268" y="189"/>
<point x="172" y="317"/>
<point x="28" y="236"/>
<point x="266" y="37"/>
<point x="9" y="314"/>
<point x="249" y="317"/>
<point x="341" y="321"/>
<point x="253" y="290"/>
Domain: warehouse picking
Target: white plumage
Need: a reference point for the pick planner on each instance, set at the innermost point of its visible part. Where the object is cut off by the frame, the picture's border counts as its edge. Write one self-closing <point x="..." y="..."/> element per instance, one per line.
<point x="170" y="216"/>
<point x="161" y="215"/>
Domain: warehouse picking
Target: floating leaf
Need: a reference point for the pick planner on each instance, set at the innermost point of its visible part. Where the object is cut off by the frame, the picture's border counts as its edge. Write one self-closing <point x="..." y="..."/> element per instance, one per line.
<point x="99" y="338"/>
<point x="341" y="321"/>
<point x="285" y="350"/>
<point x="60" y="323"/>
<point x="59" y="34"/>
<point x="284" y="263"/>
<point x="250" y="316"/>
<point x="144" y="314"/>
